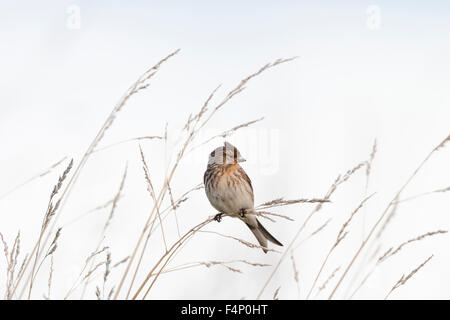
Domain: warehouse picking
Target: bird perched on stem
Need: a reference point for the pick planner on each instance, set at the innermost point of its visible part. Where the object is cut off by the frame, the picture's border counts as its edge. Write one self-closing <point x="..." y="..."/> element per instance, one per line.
<point x="230" y="191"/>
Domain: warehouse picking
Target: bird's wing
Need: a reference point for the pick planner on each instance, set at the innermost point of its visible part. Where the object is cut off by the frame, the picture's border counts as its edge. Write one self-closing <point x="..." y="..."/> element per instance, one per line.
<point x="204" y="177"/>
<point x="209" y="174"/>
<point x="246" y="179"/>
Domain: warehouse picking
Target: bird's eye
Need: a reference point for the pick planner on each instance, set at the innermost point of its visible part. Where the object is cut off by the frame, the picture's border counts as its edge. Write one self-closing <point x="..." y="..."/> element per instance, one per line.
<point x="213" y="153"/>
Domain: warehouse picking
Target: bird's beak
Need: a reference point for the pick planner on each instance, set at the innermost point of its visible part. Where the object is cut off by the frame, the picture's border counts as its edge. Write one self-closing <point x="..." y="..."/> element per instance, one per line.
<point x="240" y="159"/>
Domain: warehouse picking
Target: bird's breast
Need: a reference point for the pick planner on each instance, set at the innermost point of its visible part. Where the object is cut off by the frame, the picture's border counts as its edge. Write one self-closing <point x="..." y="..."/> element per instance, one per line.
<point x="227" y="190"/>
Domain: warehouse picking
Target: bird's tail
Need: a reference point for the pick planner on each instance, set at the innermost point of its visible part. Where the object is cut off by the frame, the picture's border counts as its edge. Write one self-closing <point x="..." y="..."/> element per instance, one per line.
<point x="261" y="234"/>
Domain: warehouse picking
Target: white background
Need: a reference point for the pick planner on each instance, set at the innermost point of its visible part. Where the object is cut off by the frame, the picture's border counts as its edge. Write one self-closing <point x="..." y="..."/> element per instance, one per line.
<point x="353" y="82"/>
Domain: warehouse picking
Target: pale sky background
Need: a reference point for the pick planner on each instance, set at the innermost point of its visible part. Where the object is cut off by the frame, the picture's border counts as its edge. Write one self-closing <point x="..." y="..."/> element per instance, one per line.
<point x="356" y="78"/>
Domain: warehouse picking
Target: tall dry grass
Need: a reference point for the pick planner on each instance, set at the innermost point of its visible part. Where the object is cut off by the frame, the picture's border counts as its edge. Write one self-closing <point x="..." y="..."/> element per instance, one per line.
<point x="138" y="279"/>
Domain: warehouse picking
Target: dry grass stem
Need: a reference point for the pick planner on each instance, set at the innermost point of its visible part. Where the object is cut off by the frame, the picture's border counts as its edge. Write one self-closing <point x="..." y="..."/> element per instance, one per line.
<point x="296" y="274"/>
<point x="312" y="234"/>
<point x="369" y="164"/>
<point x="391" y="203"/>
<point x="137" y="139"/>
<point x="209" y="264"/>
<point x="442" y="144"/>
<point x="151" y="191"/>
<point x="92" y="270"/>
<point x="140" y="84"/>
<point x="51" y="211"/>
<point x="425" y="194"/>
<point x="390" y="252"/>
<point x="174" y="208"/>
<point x="391" y="215"/>
<point x="281" y="202"/>
<point x="11" y="263"/>
<point x="107" y="223"/>
<point x="83" y="276"/>
<point x="95" y="253"/>
<point x="323" y="226"/>
<point x="343" y="232"/>
<point x="90" y="266"/>
<point x="39" y="175"/>
<point x="331" y="276"/>
<point x="404" y="279"/>
<point x="165" y="258"/>
<point x="341" y="235"/>
<point x="339" y="180"/>
<point x="265" y="214"/>
<point x="232" y="269"/>
<point x="275" y="294"/>
<point x="228" y="133"/>
<point x="244" y="242"/>
<point x="49" y="283"/>
<point x="242" y="84"/>
<point x="120" y="262"/>
<point x="164" y="212"/>
<point x="97" y="208"/>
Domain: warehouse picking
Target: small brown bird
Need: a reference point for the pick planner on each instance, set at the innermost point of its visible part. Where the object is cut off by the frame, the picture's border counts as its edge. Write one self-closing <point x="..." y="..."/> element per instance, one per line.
<point x="230" y="191"/>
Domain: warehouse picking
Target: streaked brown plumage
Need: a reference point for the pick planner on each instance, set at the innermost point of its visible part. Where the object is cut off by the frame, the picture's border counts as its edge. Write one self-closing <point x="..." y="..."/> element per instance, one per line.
<point x="230" y="191"/>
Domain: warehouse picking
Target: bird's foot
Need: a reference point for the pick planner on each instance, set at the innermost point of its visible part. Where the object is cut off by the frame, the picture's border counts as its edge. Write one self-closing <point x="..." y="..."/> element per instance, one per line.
<point x="218" y="217"/>
<point x="242" y="212"/>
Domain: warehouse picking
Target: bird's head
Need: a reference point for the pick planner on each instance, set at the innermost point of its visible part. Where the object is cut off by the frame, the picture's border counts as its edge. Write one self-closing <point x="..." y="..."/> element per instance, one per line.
<point x="228" y="154"/>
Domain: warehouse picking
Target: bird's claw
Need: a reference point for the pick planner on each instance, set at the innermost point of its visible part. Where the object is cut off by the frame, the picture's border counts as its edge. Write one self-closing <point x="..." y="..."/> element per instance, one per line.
<point x="242" y="213"/>
<point x="218" y="217"/>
